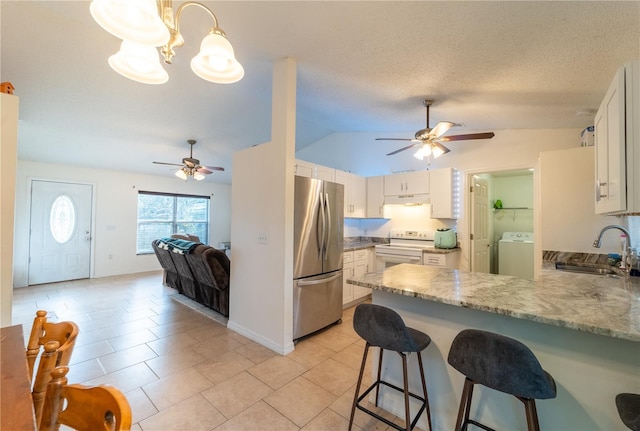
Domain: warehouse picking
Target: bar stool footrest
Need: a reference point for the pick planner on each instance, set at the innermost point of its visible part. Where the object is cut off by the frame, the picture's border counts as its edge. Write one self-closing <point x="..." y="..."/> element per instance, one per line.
<point x="385" y="420"/>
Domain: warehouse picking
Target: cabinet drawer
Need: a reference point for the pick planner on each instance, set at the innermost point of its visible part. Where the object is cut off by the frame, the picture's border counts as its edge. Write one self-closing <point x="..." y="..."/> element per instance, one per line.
<point x="434" y="259"/>
<point x="360" y="255"/>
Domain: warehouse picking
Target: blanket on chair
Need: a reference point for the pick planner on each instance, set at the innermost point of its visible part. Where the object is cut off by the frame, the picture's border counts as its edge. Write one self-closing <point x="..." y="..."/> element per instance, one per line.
<point x="176" y="245"/>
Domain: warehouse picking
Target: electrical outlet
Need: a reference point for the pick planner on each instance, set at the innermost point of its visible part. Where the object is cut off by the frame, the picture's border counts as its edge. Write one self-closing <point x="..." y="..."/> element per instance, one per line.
<point x="262" y="238"/>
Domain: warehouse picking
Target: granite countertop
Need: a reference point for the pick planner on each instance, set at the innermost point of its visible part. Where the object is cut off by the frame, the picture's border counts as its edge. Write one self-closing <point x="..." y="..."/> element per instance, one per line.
<point x="362" y="242"/>
<point x="591" y="303"/>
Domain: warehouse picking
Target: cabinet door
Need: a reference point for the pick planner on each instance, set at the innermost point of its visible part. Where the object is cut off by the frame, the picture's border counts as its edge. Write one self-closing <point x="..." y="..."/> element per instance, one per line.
<point x="442" y="193"/>
<point x="358" y="191"/>
<point x="394" y="185"/>
<point x="342" y="177"/>
<point x="610" y="148"/>
<point x="325" y="173"/>
<point x="417" y="182"/>
<point x="354" y="193"/>
<point x="347" y="272"/>
<point x="304" y="169"/>
<point x="360" y="267"/>
<point x="375" y="197"/>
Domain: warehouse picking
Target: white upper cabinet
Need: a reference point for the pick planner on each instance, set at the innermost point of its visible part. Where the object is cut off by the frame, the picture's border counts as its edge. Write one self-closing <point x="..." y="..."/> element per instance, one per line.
<point x="311" y="170"/>
<point x="609" y="125"/>
<point x="617" y="142"/>
<point x="355" y="190"/>
<point x="375" y="197"/>
<point x="444" y="193"/>
<point x="407" y="183"/>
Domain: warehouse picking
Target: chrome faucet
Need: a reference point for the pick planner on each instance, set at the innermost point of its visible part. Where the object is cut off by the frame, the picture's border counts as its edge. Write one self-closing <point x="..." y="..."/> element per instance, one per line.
<point x="626" y="257"/>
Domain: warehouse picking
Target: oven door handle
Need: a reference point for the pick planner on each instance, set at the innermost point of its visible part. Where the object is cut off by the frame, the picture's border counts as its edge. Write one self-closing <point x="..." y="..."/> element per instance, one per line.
<point x="397" y="259"/>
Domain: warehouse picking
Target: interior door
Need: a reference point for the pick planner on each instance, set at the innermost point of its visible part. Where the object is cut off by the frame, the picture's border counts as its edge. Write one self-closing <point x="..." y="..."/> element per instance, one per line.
<point x="60" y="231"/>
<point x="480" y="258"/>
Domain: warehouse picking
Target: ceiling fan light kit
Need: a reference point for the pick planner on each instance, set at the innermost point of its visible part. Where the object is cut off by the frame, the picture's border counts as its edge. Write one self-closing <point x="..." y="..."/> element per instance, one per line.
<point x="147" y="24"/>
<point x="428" y="139"/>
<point x="191" y="167"/>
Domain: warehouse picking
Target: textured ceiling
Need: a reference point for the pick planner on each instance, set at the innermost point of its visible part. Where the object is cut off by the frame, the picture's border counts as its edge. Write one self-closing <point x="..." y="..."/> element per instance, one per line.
<point x="362" y="66"/>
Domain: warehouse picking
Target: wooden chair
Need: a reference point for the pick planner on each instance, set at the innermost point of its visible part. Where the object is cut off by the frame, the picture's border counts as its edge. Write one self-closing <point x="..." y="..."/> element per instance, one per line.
<point x="43" y="376"/>
<point x="64" y="333"/>
<point x="83" y="408"/>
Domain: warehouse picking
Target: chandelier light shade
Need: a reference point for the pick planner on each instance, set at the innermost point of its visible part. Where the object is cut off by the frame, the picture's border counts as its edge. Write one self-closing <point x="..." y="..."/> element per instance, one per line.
<point x="145" y="24"/>
<point x="216" y="61"/>
<point x="139" y="62"/>
<point x="135" y="20"/>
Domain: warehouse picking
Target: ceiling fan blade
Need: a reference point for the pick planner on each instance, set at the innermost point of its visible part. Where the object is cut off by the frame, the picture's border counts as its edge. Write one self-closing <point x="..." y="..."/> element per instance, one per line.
<point x="170" y="164"/>
<point x="441" y="128"/>
<point x="208" y="169"/>
<point x="404" y="148"/>
<point x="396" y="139"/>
<point x="487" y="135"/>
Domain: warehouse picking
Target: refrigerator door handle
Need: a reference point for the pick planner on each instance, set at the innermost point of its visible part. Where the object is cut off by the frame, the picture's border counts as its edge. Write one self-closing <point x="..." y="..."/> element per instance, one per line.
<point x="320" y="227"/>
<point x="319" y="281"/>
<point x="328" y="229"/>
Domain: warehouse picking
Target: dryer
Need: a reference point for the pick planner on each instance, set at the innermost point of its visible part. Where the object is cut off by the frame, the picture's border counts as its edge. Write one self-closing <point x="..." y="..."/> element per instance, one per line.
<point x="515" y="254"/>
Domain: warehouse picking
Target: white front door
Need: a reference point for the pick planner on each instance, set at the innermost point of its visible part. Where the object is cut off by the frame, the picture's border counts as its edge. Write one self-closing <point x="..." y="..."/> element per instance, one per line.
<point x="60" y="231"/>
<point x="480" y="258"/>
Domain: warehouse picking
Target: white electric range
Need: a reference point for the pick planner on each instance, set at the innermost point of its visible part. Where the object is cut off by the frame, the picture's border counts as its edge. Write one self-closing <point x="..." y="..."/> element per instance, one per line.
<point x="405" y="246"/>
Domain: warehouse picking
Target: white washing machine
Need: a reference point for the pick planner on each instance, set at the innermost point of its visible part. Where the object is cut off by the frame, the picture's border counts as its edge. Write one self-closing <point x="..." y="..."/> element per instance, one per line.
<point x="515" y="254"/>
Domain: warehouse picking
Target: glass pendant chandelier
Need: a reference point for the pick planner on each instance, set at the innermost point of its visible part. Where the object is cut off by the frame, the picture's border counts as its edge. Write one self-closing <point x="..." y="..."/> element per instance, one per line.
<point x="144" y="25"/>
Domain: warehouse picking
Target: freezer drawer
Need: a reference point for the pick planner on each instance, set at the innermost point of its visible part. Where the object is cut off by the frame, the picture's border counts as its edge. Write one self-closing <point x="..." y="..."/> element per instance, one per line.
<point x="317" y="303"/>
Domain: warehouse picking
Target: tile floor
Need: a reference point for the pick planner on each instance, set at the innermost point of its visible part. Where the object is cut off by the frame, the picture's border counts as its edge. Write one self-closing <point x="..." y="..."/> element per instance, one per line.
<point x="182" y="369"/>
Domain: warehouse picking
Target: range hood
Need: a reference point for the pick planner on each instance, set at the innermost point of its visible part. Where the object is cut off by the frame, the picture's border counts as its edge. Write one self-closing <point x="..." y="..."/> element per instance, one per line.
<point x="408" y="199"/>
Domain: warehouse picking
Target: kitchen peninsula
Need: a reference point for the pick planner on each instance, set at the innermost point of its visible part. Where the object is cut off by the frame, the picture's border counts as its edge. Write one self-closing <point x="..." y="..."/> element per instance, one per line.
<point x="584" y="329"/>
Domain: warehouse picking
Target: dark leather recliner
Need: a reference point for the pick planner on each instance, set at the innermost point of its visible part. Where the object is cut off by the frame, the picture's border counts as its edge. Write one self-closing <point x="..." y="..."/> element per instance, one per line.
<point x="204" y="276"/>
<point x="172" y="279"/>
<point x="187" y="279"/>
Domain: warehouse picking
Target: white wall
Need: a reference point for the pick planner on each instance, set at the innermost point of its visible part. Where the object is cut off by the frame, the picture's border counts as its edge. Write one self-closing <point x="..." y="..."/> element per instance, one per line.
<point x="116" y="206"/>
<point x="261" y="293"/>
<point x="8" y="157"/>
<point x="568" y="219"/>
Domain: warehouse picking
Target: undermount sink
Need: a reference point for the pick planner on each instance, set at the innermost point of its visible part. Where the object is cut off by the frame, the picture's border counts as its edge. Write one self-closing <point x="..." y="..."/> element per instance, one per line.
<point x="584" y="269"/>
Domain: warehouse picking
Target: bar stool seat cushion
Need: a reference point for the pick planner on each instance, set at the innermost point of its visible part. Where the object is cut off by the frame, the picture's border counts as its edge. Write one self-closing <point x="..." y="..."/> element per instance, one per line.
<point x="500" y="363"/>
<point x="629" y="410"/>
<point x="384" y="328"/>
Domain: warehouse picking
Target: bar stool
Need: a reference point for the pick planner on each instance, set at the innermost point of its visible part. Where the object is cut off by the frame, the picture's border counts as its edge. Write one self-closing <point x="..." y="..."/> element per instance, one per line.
<point x="499" y="363"/>
<point x="382" y="327"/>
<point x="629" y="410"/>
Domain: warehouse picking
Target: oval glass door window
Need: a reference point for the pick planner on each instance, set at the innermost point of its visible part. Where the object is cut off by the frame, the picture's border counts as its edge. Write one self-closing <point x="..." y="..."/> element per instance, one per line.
<point x="62" y="219"/>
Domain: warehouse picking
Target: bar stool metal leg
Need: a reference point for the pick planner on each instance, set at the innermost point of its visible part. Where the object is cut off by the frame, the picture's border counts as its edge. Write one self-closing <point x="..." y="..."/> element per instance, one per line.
<point x="383" y="328"/>
<point x="355" y="397"/>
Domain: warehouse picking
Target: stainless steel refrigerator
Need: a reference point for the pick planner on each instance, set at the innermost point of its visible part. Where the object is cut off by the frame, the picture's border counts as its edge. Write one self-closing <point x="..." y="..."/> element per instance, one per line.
<point x="318" y="244"/>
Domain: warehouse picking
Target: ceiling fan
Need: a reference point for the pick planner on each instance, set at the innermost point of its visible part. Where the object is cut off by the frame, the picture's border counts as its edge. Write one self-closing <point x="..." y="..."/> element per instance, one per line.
<point x="191" y="167"/>
<point x="429" y="140"/>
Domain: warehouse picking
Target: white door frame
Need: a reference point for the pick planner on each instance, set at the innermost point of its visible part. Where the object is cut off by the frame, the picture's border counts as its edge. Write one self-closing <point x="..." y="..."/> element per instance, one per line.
<point x="467" y="224"/>
<point x="30" y="181"/>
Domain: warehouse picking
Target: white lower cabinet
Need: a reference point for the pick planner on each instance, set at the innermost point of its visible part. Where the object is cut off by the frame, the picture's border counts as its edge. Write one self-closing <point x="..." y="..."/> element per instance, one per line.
<point x="355" y="263"/>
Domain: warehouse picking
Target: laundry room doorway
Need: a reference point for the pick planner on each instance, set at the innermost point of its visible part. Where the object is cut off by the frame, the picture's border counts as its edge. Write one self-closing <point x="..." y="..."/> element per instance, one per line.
<point x="500" y="202"/>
